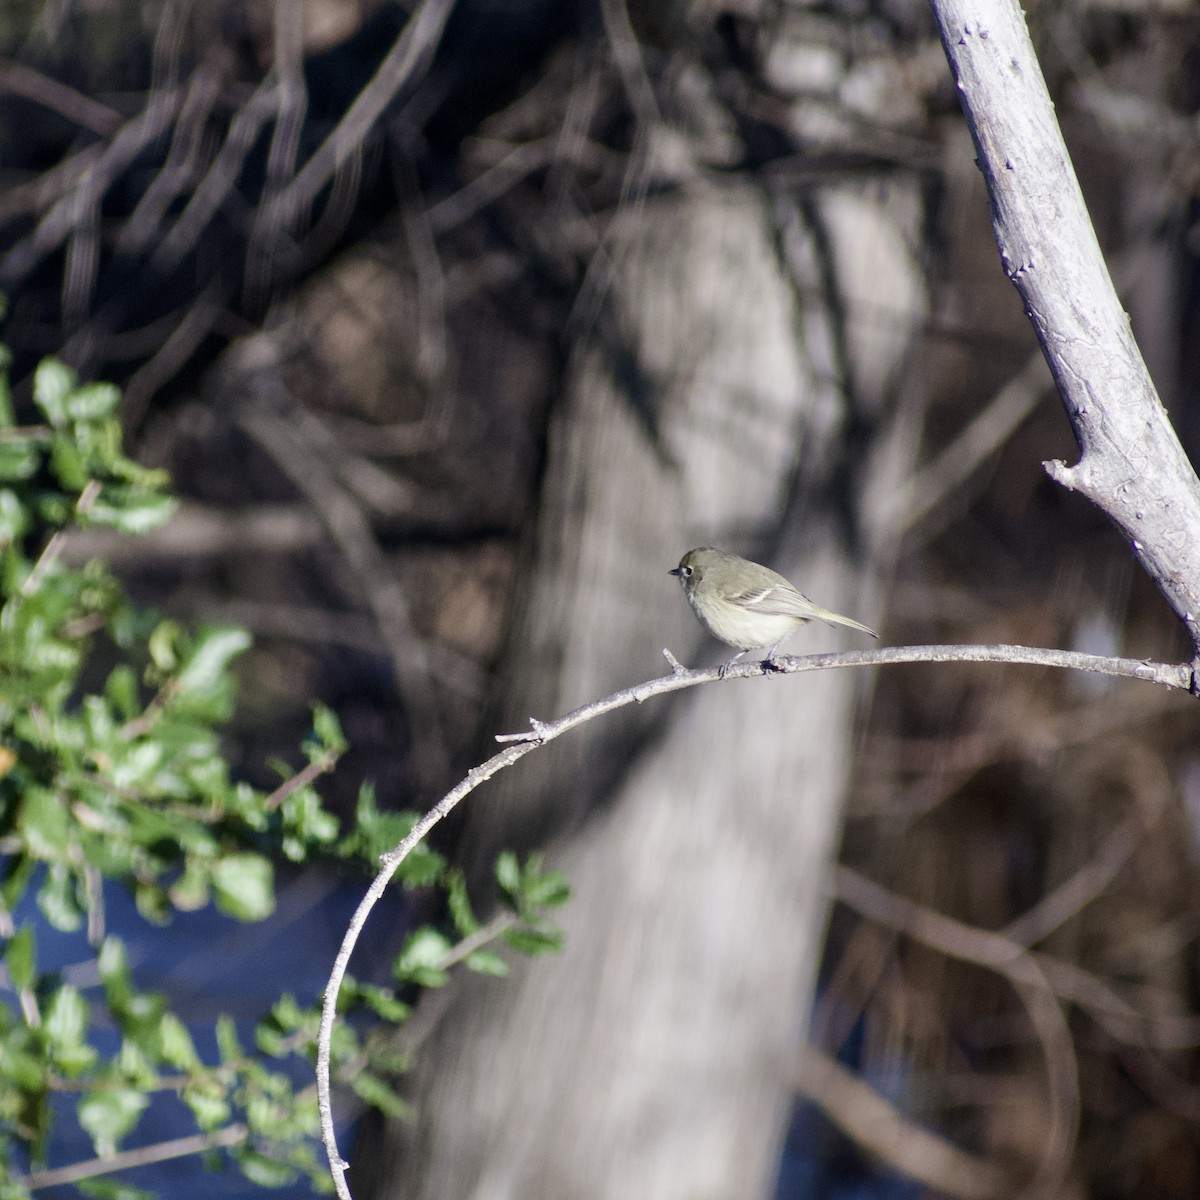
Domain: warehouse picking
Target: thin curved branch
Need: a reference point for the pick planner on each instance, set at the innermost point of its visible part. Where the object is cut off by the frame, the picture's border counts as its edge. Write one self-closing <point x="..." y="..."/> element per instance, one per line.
<point x="1027" y="976"/>
<point x="517" y="745"/>
<point x="895" y="1138"/>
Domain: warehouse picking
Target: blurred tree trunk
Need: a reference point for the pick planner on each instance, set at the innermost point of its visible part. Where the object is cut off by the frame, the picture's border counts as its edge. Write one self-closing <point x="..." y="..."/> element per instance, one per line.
<point x="710" y="402"/>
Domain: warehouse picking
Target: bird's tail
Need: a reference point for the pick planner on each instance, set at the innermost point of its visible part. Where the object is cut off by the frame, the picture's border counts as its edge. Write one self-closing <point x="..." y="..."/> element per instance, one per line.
<point x="831" y="618"/>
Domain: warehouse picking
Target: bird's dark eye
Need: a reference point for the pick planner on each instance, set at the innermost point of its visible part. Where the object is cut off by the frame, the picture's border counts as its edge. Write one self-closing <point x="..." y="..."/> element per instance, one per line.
<point x="687" y="571"/>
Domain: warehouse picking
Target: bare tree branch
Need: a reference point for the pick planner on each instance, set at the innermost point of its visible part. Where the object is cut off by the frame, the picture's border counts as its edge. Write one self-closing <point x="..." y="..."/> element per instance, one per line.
<point x="411" y="53"/>
<point x="1060" y="905"/>
<point x="1024" y="970"/>
<point x="1132" y="465"/>
<point x="881" y="1129"/>
<point x="982" y="438"/>
<point x="1028" y="975"/>
<point x="20" y="80"/>
<point x="96" y="176"/>
<point x="197" y="1143"/>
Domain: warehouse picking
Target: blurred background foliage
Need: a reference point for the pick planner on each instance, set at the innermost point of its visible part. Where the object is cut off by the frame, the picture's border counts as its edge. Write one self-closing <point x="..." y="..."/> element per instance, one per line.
<point x="398" y="219"/>
<point x="112" y="781"/>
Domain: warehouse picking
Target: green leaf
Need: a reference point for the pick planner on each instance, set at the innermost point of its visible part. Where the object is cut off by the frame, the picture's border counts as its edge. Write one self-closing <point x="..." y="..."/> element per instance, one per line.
<point x="14" y="517"/>
<point x="228" y="1045"/>
<point x="530" y="887"/>
<point x="152" y="902"/>
<point x="487" y="962"/>
<point x="534" y="941"/>
<point x="17" y="875"/>
<point x="52" y="384"/>
<point x="459" y="904"/>
<point x="68" y="463"/>
<point x="508" y="874"/>
<point x="7" y="416"/>
<point x="244" y="886"/>
<point x="377" y="832"/>
<point x="133" y="1061"/>
<point x="289" y="1014"/>
<point x="112" y="963"/>
<point x="178" y="1050"/>
<point x="20" y="958"/>
<point x="207" y="1101"/>
<point x="206" y="665"/>
<point x="113" y="1189"/>
<point x="58" y="898"/>
<point x="190" y="891"/>
<point x="19" y="459"/>
<point x="264" y="1171"/>
<point x="108" y="1114"/>
<point x="27" y="1072"/>
<point x="45" y="824"/>
<point x="52" y="508"/>
<point x="122" y="692"/>
<point x="92" y="401"/>
<point x="163" y="645"/>
<point x="270" y="1041"/>
<point x="306" y="824"/>
<point x="375" y="1092"/>
<point x="328" y="730"/>
<point x="130" y="509"/>
<point x="383" y="1002"/>
<point x="548" y="891"/>
<point x="420" y="961"/>
<point x="65" y="1022"/>
<point x="140" y="1011"/>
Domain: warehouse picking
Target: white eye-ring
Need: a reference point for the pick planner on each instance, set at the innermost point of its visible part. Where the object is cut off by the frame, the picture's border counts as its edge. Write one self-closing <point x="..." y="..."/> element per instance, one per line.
<point x="687" y="571"/>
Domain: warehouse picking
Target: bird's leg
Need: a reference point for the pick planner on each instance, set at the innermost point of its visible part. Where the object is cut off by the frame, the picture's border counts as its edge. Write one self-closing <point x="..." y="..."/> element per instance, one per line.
<point x="724" y="667"/>
<point x="768" y="662"/>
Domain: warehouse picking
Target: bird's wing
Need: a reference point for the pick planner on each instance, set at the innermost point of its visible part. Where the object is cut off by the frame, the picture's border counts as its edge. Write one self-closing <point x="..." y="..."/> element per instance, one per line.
<point x="775" y="601"/>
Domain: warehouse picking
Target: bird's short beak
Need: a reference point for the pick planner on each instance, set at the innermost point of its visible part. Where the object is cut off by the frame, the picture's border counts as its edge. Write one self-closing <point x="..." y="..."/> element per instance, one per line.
<point x="675" y="571"/>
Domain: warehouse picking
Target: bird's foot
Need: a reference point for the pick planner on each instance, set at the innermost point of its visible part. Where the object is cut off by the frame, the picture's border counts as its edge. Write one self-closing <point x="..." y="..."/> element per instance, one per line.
<point x="768" y="664"/>
<point x="723" y="669"/>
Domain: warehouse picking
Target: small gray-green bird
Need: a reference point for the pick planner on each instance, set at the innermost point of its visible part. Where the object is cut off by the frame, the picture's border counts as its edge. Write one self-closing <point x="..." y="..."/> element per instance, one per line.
<point x="746" y="605"/>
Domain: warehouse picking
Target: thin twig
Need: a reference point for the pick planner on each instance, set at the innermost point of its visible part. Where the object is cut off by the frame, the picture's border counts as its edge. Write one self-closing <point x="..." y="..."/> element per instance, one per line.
<point x="1024" y="971"/>
<point x="980" y="440"/>
<point x="181" y="167"/>
<point x="897" y="1140"/>
<point x="267" y="240"/>
<point x="1028" y="976"/>
<point x="197" y="1143"/>
<point x="54" y="547"/>
<point x="411" y="53"/>
<point x="489" y="185"/>
<point x="219" y="182"/>
<point x="201" y="316"/>
<point x="21" y="80"/>
<point x="315" y="769"/>
<point x="503" y="920"/>
<point x="1060" y="905"/>
<point x="88" y="187"/>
